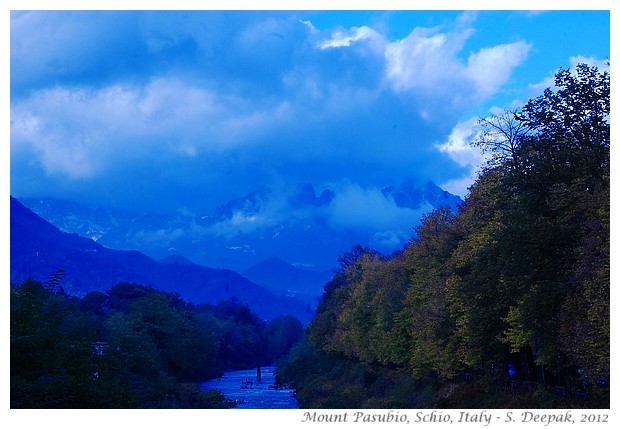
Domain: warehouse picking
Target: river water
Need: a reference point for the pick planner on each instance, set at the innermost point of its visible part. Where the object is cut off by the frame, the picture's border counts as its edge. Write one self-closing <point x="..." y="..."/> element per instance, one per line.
<point x="243" y="386"/>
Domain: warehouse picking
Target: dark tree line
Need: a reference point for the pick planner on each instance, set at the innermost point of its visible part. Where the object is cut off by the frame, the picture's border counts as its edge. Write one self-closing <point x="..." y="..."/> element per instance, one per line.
<point x="132" y="347"/>
<point x="511" y="292"/>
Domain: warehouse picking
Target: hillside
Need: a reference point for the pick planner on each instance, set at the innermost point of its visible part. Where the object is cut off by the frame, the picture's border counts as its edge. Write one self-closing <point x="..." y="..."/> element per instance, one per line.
<point x="283" y="278"/>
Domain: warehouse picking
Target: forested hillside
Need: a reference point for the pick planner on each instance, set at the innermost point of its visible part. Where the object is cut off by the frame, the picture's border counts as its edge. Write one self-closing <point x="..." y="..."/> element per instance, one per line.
<point x="502" y="304"/>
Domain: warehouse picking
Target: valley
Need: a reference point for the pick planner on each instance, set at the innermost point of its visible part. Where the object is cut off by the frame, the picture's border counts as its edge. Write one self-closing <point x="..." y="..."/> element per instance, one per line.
<point x="285" y="245"/>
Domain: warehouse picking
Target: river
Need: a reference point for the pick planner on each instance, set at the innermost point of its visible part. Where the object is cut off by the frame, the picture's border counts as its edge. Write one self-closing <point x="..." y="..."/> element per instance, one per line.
<point x="243" y="386"/>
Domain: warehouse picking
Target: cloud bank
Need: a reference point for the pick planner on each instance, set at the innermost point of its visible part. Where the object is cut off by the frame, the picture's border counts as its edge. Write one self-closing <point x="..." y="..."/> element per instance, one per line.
<point x="168" y="110"/>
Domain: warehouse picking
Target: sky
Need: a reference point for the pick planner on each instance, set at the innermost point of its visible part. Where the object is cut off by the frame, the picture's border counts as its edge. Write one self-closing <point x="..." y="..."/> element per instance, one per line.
<point x="185" y="110"/>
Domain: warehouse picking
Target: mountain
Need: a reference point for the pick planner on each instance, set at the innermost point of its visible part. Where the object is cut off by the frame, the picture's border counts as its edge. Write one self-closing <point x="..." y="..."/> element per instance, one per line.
<point x="237" y="235"/>
<point x="84" y="220"/>
<point x="413" y="194"/>
<point x="282" y="278"/>
<point x="176" y="259"/>
<point x="300" y="226"/>
<point x="39" y="249"/>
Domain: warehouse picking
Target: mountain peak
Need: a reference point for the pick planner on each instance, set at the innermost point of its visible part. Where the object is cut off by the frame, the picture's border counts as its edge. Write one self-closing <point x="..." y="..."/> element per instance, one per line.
<point x="176" y="258"/>
<point x="413" y="194"/>
<point x="252" y="203"/>
<point x="307" y="197"/>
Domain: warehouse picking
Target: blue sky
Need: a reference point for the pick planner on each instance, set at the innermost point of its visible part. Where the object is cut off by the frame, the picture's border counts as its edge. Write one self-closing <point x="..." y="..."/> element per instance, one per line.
<point x="186" y="110"/>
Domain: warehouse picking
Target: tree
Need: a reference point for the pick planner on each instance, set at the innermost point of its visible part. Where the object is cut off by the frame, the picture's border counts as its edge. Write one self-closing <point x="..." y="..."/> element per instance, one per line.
<point x="325" y="331"/>
<point x="281" y="334"/>
<point x="501" y="138"/>
<point x="554" y="173"/>
<point x="483" y="283"/>
<point x="52" y="354"/>
<point x="387" y="302"/>
<point x="428" y="313"/>
<point x="584" y="331"/>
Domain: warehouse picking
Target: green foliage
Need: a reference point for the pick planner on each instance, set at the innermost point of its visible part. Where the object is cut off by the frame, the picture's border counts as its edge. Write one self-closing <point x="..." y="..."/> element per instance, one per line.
<point x="428" y="308"/>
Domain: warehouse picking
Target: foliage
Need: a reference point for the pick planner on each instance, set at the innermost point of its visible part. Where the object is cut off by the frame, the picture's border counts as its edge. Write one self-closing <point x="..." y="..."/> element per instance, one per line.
<point x="132" y="347"/>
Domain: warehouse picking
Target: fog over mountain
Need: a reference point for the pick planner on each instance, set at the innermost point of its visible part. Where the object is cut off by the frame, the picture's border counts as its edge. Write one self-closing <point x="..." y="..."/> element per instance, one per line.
<point x="305" y="228"/>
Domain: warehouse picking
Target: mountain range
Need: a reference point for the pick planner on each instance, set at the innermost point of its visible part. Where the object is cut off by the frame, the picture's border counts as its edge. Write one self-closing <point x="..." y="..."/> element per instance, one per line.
<point x="271" y="249"/>
<point x="302" y="228"/>
<point x="40" y="250"/>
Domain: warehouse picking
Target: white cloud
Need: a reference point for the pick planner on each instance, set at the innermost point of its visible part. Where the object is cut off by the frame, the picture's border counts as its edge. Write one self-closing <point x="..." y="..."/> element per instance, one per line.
<point x="390" y="240"/>
<point x="490" y="68"/>
<point x="360" y="208"/>
<point x="426" y="63"/>
<point x="345" y="38"/>
<point x="458" y="146"/>
<point x="266" y="209"/>
<point x="467" y="18"/>
<point x="422" y="60"/>
<point x="50" y="125"/>
<point x="601" y="65"/>
<point x="80" y="132"/>
<point x="461" y="185"/>
<point x="537" y="88"/>
<point x="368" y="210"/>
<point x="161" y="237"/>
